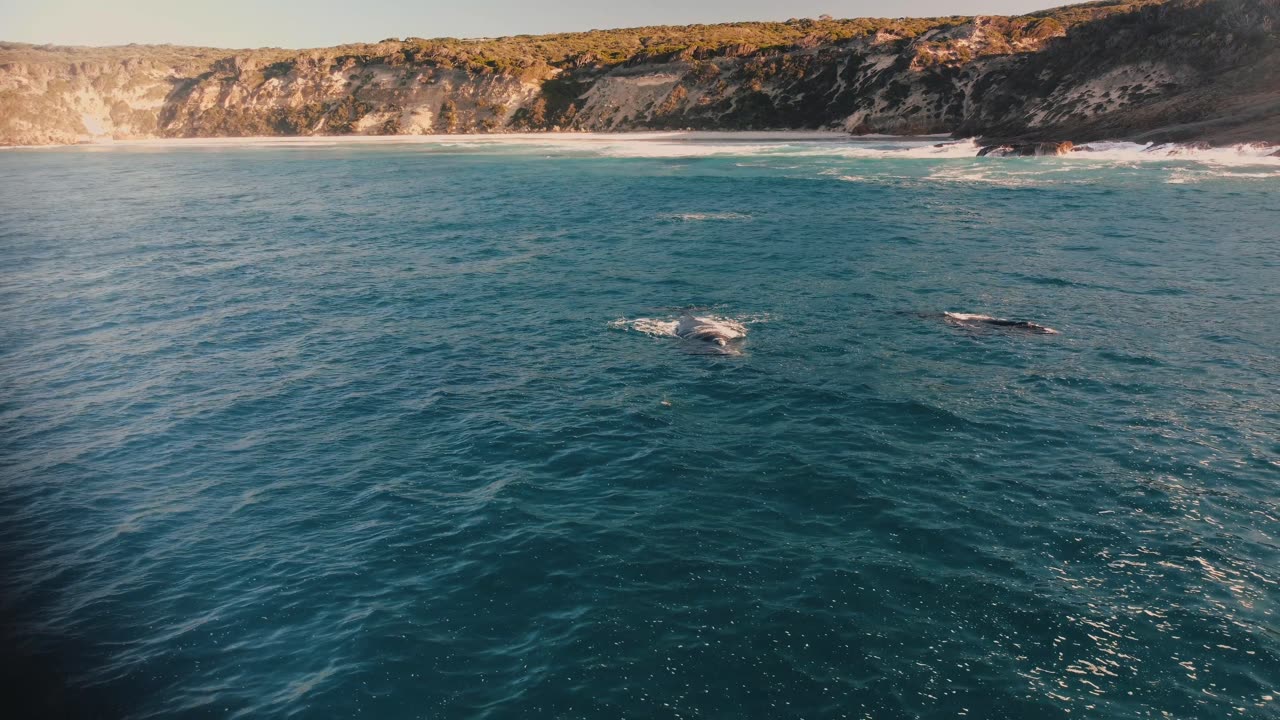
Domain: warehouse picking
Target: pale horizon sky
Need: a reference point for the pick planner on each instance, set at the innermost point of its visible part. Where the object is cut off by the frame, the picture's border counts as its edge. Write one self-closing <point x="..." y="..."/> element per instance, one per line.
<point x="319" y="23"/>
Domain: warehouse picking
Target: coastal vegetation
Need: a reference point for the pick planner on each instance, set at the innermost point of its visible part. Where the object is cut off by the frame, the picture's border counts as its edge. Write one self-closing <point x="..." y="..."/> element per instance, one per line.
<point x="518" y="54"/>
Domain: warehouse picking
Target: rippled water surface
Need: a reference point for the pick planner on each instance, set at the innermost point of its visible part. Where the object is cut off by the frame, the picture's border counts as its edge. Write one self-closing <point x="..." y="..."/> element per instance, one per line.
<point x="320" y="431"/>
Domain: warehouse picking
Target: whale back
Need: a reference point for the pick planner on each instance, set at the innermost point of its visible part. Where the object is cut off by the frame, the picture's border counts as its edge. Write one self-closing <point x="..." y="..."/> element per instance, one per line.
<point x="720" y="332"/>
<point x="973" y="318"/>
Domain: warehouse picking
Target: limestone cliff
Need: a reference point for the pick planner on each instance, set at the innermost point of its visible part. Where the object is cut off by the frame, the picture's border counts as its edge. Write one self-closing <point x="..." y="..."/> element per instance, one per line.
<point x="1176" y="70"/>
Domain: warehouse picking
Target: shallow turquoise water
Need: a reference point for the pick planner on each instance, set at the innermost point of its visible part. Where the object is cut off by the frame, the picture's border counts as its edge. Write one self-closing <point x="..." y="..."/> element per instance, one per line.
<point x="307" y="431"/>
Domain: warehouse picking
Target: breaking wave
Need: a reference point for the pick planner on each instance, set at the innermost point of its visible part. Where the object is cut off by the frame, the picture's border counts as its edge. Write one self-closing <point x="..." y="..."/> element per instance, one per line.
<point x="762" y="145"/>
<point x="1242" y="154"/>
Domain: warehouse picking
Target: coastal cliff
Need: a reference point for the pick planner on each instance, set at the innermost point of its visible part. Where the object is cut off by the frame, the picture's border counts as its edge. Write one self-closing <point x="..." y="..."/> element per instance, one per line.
<point x="1147" y="70"/>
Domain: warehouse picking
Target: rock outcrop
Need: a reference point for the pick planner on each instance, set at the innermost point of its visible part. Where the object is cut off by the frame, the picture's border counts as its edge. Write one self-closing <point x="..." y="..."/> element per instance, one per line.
<point x="1039" y="149"/>
<point x="1144" y="70"/>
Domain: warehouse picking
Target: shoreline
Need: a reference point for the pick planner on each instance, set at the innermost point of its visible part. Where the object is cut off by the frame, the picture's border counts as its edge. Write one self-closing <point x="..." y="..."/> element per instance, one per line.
<point x="477" y="138"/>
<point x="730" y="143"/>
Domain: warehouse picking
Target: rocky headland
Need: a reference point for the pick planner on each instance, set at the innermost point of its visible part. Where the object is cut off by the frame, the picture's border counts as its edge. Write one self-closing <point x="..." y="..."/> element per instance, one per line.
<point x="1156" y="71"/>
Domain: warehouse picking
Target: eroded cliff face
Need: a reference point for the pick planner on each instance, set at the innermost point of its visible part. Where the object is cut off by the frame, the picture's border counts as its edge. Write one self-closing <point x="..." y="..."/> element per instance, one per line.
<point x="319" y="94"/>
<point x="44" y="102"/>
<point x="1164" y="71"/>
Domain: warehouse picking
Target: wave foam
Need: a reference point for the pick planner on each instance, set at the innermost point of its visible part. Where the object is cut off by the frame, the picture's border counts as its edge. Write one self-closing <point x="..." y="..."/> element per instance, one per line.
<point x="702" y="217"/>
<point x="1243" y="154"/>
<point x="765" y="148"/>
<point x="982" y="172"/>
<point x="1186" y="176"/>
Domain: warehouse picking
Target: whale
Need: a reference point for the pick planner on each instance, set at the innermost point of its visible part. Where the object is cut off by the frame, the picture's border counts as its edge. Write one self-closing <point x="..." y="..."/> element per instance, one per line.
<point x="699" y="334"/>
<point x="975" y="319"/>
<point x="711" y="330"/>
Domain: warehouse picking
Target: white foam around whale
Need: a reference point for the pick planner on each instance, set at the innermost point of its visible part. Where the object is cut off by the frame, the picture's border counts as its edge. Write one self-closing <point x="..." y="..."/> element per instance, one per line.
<point x="654" y="327"/>
<point x="966" y="318"/>
<point x="716" y="331"/>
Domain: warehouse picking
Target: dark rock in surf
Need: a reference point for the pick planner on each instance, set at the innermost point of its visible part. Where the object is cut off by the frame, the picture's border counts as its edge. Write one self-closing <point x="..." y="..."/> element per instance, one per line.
<point x="1174" y="149"/>
<point x="1040" y="149"/>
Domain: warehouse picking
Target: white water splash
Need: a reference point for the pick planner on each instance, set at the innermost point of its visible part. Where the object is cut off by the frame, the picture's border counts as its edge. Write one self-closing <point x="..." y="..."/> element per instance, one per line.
<point x="653" y="327"/>
<point x="716" y="333"/>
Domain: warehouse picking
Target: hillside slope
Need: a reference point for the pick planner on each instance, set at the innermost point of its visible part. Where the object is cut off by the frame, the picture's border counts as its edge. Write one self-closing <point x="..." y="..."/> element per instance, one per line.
<point x="1151" y="70"/>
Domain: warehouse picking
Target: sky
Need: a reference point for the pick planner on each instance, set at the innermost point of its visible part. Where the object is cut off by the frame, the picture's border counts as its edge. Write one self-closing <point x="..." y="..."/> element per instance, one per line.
<point x="319" y="23"/>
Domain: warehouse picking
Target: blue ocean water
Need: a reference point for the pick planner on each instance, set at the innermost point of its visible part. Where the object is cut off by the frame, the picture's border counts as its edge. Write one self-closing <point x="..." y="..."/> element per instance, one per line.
<point x="332" y="430"/>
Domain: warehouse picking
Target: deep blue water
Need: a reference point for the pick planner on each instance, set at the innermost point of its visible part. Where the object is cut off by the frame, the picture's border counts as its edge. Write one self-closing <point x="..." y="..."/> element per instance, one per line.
<point x="314" y="432"/>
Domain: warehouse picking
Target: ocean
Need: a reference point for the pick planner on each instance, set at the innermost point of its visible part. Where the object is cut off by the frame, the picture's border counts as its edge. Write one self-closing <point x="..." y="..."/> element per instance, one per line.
<point x="404" y="429"/>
